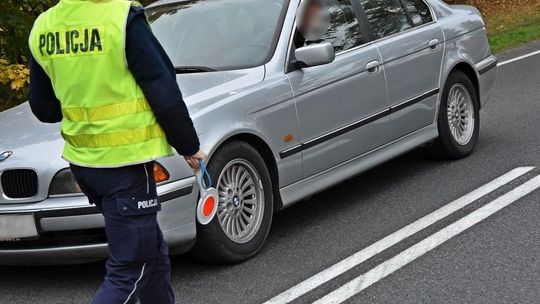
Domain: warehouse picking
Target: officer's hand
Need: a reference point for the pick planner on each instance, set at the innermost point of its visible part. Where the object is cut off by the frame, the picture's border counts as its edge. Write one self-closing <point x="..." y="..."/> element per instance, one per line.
<point x="193" y="160"/>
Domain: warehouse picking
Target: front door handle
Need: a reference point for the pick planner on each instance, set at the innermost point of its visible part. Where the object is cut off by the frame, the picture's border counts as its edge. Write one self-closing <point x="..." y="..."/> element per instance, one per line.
<point x="433" y="43"/>
<point x="373" y="66"/>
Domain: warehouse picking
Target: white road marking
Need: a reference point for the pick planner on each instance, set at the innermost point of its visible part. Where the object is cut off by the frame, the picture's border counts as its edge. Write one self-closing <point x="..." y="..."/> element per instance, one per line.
<point x="519" y="58"/>
<point x="394" y="238"/>
<point x="412" y="253"/>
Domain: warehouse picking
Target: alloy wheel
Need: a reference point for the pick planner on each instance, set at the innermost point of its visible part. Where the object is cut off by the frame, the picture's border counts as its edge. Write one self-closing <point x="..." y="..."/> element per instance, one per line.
<point x="460" y="111"/>
<point x="241" y="201"/>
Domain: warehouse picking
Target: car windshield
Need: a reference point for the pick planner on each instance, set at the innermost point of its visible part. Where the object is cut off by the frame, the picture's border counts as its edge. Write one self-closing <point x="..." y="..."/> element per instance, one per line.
<point x="213" y="35"/>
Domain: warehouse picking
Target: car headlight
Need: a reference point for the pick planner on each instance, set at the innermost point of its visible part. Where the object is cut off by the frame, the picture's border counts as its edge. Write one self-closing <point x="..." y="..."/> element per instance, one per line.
<point x="64" y="183"/>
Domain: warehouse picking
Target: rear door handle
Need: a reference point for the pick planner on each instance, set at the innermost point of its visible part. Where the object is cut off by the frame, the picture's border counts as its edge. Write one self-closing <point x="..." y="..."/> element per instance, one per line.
<point x="373" y="66"/>
<point x="433" y="43"/>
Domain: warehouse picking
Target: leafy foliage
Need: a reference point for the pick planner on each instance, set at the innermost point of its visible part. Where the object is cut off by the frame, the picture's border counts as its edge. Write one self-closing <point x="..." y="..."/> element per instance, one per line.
<point x="16" y="20"/>
<point x="16" y="75"/>
<point x="509" y="22"/>
<point x="504" y="15"/>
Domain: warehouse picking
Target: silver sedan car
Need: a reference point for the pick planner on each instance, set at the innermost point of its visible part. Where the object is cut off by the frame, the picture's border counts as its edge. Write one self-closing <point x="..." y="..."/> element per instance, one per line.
<point x="282" y="118"/>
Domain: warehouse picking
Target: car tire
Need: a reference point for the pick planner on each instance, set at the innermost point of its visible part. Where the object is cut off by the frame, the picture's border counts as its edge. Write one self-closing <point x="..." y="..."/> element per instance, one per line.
<point x="459" y="108"/>
<point x="222" y="241"/>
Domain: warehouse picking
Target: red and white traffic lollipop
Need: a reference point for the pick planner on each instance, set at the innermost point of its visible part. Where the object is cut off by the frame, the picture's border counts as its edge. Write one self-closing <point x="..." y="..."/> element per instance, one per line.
<point x="208" y="203"/>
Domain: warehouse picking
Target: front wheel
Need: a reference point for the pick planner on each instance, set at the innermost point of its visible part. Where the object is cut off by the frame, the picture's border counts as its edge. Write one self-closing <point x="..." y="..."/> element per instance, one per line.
<point x="458" y="119"/>
<point x="245" y="206"/>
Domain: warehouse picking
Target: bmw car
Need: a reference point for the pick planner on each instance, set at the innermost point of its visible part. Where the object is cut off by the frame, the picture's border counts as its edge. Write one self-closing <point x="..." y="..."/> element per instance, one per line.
<point x="282" y="117"/>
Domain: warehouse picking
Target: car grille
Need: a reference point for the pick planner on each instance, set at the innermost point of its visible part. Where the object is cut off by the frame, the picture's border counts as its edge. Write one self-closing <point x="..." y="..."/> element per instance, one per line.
<point x="20" y="183"/>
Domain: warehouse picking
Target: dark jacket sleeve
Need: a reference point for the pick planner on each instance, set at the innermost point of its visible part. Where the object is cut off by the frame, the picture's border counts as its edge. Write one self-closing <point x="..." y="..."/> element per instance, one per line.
<point x="155" y="74"/>
<point x="43" y="101"/>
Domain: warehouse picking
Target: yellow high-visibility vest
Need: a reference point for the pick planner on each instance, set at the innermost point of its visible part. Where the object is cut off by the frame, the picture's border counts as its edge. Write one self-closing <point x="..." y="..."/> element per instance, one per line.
<point x="107" y="121"/>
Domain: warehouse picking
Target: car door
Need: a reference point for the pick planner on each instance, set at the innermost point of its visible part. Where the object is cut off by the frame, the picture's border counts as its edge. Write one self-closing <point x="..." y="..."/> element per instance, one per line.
<point x="340" y="105"/>
<point x="411" y="46"/>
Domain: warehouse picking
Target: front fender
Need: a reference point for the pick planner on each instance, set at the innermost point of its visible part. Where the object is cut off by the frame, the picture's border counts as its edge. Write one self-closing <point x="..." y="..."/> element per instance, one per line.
<point x="267" y="111"/>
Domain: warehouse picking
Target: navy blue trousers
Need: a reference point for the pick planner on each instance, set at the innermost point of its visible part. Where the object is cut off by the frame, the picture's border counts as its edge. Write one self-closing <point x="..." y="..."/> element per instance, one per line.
<point x="138" y="268"/>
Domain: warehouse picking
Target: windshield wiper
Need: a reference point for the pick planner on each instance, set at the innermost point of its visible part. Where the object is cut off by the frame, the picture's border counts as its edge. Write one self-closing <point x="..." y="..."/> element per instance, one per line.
<point x="192" y="69"/>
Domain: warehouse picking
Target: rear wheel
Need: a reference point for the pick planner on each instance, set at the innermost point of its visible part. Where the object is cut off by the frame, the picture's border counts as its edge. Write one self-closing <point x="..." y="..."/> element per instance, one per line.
<point x="245" y="206"/>
<point x="458" y="119"/>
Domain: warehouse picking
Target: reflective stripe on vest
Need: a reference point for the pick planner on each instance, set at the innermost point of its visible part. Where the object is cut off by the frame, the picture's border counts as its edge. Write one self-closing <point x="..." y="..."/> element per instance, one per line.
<point x="106" y="111"/>
<point x="107" y="121"/>
<point x="106" y="140"/>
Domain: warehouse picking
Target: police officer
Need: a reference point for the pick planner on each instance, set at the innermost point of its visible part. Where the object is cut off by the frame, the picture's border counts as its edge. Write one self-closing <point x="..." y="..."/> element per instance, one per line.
<point x="98" y="69"/>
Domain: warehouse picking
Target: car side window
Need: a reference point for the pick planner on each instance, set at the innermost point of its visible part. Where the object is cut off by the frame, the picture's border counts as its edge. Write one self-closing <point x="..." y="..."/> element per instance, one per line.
<point x="344" y="32"/>
<point x="419" y="11"/>
<point x="387" y="17"/>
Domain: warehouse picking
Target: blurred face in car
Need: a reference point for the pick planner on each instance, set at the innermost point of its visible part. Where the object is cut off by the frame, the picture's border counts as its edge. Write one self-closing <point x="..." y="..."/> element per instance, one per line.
<point x="315" y="20"/>
<point x="311" y="13"/>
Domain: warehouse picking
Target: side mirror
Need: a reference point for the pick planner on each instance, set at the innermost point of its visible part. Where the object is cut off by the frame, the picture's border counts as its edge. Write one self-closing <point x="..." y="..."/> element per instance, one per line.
<point x="314" y="55"/>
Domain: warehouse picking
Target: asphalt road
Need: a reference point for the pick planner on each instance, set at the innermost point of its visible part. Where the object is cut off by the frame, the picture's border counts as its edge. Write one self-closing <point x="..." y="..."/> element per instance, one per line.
<point x="496" y="260"/>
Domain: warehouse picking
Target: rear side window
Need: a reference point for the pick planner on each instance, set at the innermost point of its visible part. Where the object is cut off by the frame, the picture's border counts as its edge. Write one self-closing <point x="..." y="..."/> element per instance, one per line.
<point x="419" y="11"/>
<point x="387" y="17"/>
<point x="344" y="32"/>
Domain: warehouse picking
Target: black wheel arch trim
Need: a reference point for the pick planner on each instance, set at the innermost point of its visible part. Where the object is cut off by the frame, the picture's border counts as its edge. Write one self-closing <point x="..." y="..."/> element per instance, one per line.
<point x="488" y="67"/>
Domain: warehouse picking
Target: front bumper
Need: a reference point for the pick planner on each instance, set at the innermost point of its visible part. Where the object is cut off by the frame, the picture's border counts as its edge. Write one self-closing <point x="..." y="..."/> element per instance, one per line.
<point x="487" y="74"/>
<point x="72" y="231"/>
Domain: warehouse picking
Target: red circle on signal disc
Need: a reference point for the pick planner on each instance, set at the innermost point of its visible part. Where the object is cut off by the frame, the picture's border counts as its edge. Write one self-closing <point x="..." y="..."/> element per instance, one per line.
<point x="208" y="206"/>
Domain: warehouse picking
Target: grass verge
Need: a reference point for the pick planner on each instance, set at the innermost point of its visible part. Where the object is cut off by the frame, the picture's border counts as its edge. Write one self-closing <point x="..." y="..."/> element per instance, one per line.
<point x="515" y="35"/>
